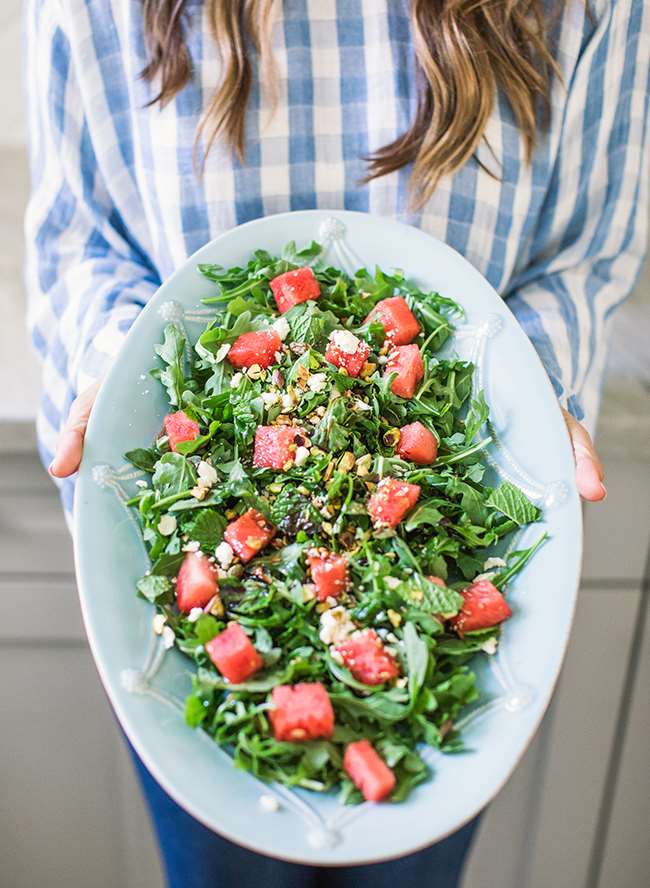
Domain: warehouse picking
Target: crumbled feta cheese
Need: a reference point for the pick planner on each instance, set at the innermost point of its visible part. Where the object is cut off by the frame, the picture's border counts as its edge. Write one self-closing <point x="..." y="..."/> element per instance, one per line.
<point x="167" y="525"/>
<point x="194" y="614"/>
<point x="336" y="625"/>
<point x="392" y="582"/>
<point x="192" y="546"/>
<point x="288" y="402"/>
<point x="490" y="646"/>
<point x="168" y="637"/>
<point x="207" y="474"/>
<point x="401" y="682"/>
<point x="361" y="405"/>
<point x="336" y="655"/>
<point x="317" y="382"/>
<point x="494" y="562"/>
<point x="140" y="483"/>
<point x="222" y="351"/>
<point x="269" y="803"/>
<point x="281" y="327"/>
<point x="236" y="379"/>
<point x="269" y="399"/>
<point x="224" y="554"/>
<point x="301" y="456"/>
<point x="158" y="623"/>
<point x="345" y="341"/>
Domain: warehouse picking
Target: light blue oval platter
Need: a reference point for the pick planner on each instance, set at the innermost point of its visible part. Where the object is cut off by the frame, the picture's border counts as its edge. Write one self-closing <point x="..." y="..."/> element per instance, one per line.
<point x="147" y="684"/>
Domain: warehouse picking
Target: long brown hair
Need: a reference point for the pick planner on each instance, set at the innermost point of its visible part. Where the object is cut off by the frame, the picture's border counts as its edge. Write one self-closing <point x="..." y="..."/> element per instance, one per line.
<point x="465" y="50"/>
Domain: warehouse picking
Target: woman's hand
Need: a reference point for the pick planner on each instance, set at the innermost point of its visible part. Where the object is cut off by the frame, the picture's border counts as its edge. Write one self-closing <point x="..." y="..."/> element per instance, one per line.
<point x="70" y="445"/>
<point x="589" y="469"/>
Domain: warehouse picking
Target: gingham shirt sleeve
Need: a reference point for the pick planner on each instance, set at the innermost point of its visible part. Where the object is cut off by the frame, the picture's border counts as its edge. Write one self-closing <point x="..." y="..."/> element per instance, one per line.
<point x="87" y="280"/>
<point x="590" y="243"/>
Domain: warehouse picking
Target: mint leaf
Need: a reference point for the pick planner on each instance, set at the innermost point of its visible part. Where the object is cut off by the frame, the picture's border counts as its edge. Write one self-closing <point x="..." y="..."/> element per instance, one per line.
<point x="513" y="502"/>
<point x="173" y="474"/>
<point x="206" y="527"/>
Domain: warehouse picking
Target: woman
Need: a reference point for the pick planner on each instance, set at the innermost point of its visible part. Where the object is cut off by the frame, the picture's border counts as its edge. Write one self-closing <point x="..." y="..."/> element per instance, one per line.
<point x="514" y="131"/>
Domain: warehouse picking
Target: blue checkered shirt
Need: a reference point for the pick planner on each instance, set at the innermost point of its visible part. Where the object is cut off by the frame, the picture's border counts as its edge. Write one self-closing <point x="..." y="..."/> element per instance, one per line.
<point x="116" y="204"/>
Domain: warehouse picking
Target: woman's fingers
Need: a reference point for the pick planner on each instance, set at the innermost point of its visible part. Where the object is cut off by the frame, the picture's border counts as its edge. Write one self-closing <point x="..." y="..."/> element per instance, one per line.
<point x="589" y="469"/>
<point x="69" y="448"/>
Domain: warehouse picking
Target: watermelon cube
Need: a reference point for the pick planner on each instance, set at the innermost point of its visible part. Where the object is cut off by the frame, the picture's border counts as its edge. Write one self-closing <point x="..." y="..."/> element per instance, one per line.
<point x="275" y="447"/>
<point x="196" y="582"/>
<point x="398" y="320"/>
<point x="366" y="657"/>
<point x="179" y="427"/>
<point x="417" y="444"/>
<point x="368" y="771"/>
<point x="248" y="534"/>
<point x="329" y="573"/>
<point x="255" y="348"/>
<point x="233" y="654"/>
<point x="345" y="350"/>
<point x="301" y="712"/>
<point x="391" y="501"/>
<point x="293" y="287"/>
<point x="406" y="361"/>
<point x="484" y="607"/>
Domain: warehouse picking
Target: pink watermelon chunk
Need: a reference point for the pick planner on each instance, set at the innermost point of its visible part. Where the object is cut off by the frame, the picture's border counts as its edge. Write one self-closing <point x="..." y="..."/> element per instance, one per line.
<point x="255" y="348"/>
<point x="329" y="573"/>
<point x="301" y="712"/>
<point x="233" y="654"/>
<point x="391" y="501"/>
<point x="406" y="361"/>
<point x="351" y="361"/>
<point x="417" y="444"/>
<point x="367" y="659"/>
<point x="293" y="287"/>
<point x="248" y="534"/>
<point x="483" y="608"/>
<point x="275" y="447"/>
<point x="179" y="427"/>
<point x="368" y="771"/>
<point x="196" y="583"/>
<point x="398" y="320"/>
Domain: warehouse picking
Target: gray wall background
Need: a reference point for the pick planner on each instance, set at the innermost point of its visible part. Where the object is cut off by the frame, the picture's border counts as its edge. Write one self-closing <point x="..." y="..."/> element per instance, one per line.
<point x="574" y="815"/>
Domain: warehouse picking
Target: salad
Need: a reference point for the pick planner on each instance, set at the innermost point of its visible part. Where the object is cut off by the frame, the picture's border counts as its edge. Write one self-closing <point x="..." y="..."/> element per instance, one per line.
<point x="322" y="530"/>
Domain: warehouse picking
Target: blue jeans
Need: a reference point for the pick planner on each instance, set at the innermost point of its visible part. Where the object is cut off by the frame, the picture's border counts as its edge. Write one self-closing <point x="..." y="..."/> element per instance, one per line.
<point x="195" y="857"/>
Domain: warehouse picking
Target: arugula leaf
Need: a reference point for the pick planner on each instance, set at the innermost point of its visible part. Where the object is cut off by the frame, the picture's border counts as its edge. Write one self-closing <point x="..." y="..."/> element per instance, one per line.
<point x="173" y="474"/>
<point x="513" y="502"/>
<point x="417" y="658"/>
<point x="172" y="353"/>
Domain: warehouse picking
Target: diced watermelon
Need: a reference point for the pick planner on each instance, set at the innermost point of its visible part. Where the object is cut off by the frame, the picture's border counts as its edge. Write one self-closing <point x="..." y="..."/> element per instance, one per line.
<point x="248" y="534"/>
<point x="196" y="582"/>
<point x="275" y="447"/>
<point x="301" y="712"/>
<point x="398" y="320"/>
<point x="417" y="444"/>
<point x="293" y="287"/>
<point x="329" y="573"/>
<point x="368" y="771"/>
<point x="255" y="348"/>
<point x="345" y="350"/>
<point x="366" y="657"/>
<point x="233" y="654"/>
<point x="483" y="608"/>
<point x="179" y="427"/>
<point x="406" y="361"/>
<point x="391" y="501"/>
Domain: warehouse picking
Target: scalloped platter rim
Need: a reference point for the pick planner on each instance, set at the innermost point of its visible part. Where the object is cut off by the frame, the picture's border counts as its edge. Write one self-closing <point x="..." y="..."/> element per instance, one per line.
<point x="146" y="684"/>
